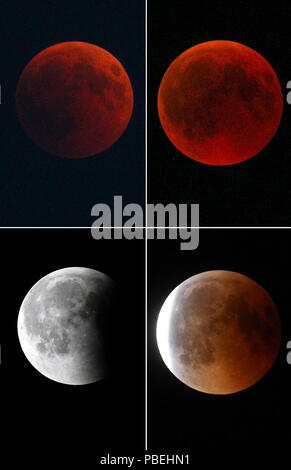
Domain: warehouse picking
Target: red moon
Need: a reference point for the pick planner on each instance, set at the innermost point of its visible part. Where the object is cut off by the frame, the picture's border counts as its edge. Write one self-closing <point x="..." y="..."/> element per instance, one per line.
<point x="220" y="102"/>
<point x="219" y="332"/>
<point x="74" y="99"/>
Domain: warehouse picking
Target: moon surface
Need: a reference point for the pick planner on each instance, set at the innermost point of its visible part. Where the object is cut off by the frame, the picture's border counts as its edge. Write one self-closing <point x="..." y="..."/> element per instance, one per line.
<point x="74" y="99"/>
<point x="219" y="332"/>
<point x="62" y="325"/>
<point x="220" y="102"/>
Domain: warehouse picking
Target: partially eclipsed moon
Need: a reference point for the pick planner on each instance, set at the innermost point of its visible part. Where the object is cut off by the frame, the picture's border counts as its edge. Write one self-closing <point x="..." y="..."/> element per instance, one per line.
<point x="74" y="99"/>
<point x="219" y="332"/>
<point x="220" y="102"/>
<point x="62" y="325"/>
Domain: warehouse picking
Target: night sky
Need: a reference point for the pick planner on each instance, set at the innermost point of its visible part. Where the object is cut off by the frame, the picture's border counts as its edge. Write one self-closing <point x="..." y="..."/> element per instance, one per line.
<point x="255" y="192"/>
<point x="254" y="419"/>
<point x="74" y="423"/>
<point x="39" y="189"/>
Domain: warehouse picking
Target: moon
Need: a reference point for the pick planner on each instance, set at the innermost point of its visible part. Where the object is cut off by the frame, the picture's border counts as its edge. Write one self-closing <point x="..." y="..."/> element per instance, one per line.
<point x="219" y="332"/>
<point x="62" y="325"/>
<point x="74" y="99"/>
<point x="220" y="102"/>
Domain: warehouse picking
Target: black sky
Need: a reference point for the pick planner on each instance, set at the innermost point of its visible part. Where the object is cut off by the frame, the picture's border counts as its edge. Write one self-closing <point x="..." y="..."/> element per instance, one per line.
<point x="60" y="422"/>
<point x="254" y="419"/>
<point x="38" y="189"/>
<point x="255" y="192"/>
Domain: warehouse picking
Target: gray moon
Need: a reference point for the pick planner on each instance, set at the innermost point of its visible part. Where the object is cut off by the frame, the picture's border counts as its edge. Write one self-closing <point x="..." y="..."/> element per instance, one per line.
<point x="62" y="325"/>
<point x="219" y="332"/>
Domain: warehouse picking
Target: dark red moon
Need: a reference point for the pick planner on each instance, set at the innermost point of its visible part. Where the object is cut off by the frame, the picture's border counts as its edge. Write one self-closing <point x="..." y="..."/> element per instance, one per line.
<point x="219" y="332"/>
<point x="74" y="99"/>
<point x="220" y="102"/>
